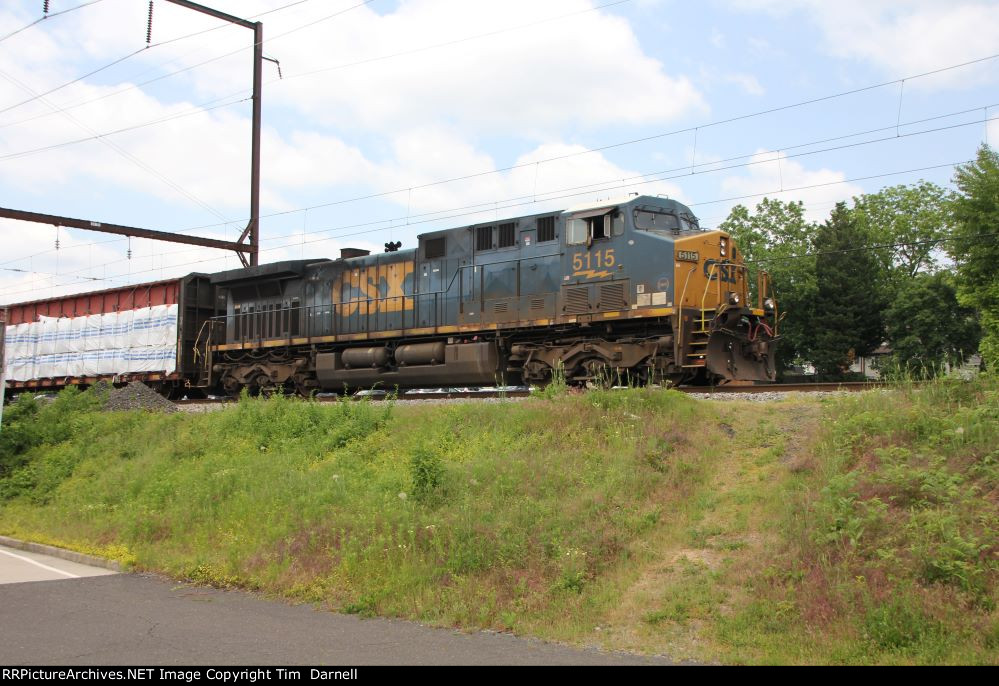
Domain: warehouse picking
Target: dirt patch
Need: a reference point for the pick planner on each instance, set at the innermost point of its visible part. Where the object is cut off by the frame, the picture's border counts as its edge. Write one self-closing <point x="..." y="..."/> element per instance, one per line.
<point x="797" y="455"/>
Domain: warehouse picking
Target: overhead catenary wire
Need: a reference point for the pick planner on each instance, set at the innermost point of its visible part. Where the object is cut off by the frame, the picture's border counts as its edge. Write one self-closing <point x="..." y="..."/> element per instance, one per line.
<point x="554" y="158"/>
<point x="49" y="15"/>
<point x="628" y="182"/>
<point x="366" y="231"/>
<point x="598" y="149"/>
<point x="130" y="55"/>
<point x="211" y="60"/>
<point x="124" y="153"/>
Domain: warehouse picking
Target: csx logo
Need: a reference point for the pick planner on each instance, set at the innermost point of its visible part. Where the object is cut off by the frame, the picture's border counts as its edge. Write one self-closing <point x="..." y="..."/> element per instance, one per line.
<point x="722" y="270"/>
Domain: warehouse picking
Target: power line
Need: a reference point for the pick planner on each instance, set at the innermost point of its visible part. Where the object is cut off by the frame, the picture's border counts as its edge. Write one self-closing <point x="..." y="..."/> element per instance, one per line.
<point x="49" y="16"/>
<point x="589" y="188"/>
<point x="32" y="271"/>
<point x="208" y="61"/>
<point x="139" y="163"/>
<point x="454" y="216"/>
<point x="645" y="139"/>
<point x="180" y="115"/>
<point x="628" y="181"/>
<point x="133" y="54"/>
<point x="629" y="142"/>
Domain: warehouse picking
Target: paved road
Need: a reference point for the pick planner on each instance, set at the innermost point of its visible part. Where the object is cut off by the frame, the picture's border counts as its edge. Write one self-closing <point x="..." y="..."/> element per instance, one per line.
<point x="18" y="566"/>
<point x="139" y="619"/>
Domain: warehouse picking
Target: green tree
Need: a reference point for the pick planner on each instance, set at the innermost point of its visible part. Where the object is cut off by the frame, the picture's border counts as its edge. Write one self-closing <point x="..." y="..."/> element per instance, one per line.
<point x="777" y="238"/>
<point x="975" y="248"/>
<point x="847" y="320"/>
<point x="911" y="219"/>
<point x="926" y="325"/>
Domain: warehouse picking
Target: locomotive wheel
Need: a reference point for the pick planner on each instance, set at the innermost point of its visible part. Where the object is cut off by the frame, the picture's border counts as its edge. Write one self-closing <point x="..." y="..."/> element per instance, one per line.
<point x="264" y="387"/>
<point x="598" y="374"/>
<point x="231" y="387"/>
<point x="537" y="372"/>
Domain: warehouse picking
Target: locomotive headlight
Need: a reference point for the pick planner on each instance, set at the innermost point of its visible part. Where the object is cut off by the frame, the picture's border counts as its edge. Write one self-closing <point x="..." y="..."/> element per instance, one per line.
<point x="723" y="245"/>
<point x="733" y="298"/>
<point x="769" y="305"/>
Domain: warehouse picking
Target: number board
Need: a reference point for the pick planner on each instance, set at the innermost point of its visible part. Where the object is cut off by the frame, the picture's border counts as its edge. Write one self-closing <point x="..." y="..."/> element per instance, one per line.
<point x="687" y="255"/>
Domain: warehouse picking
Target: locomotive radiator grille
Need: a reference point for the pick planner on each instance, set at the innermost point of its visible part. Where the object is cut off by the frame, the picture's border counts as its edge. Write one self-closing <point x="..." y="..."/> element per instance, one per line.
<point x="577" y="300"/>
<point x="612" y="296"/>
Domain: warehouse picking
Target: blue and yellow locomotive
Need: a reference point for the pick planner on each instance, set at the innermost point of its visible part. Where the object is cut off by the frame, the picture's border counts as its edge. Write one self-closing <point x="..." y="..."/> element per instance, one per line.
<point x="631" y="290"/>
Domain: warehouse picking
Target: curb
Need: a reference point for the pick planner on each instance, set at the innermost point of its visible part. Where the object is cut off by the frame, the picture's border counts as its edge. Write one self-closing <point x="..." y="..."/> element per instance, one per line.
<point x="61" y="553"/>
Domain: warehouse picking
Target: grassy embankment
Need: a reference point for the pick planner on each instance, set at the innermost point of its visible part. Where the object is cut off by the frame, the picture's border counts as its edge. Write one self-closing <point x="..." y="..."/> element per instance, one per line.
<point x="855" y="530"/>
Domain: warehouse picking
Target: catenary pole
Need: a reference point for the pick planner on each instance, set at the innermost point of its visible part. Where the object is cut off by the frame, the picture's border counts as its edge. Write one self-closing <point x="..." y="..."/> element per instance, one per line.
<point x="252" y="229"/>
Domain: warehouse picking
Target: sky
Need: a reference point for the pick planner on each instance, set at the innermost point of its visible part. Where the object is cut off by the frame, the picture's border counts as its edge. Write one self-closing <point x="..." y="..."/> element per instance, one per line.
<point x="390" y="118"/>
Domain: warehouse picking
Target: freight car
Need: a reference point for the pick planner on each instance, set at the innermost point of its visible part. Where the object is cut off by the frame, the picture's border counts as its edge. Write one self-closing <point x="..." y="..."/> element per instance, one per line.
<point x="144" y="332"/>
<point x="631" y="291"/>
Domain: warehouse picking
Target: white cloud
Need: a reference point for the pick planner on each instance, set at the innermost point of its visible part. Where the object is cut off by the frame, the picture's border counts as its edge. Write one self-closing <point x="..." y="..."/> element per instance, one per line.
<point x="533" y="80"/>
<point x="746" y="82"/>
<point x="817" y="188"/>
<point x="218" y="140"/>
<point x="515" y="66"/>
<point x="419" y="116"/>
<point x="902" y="38"/>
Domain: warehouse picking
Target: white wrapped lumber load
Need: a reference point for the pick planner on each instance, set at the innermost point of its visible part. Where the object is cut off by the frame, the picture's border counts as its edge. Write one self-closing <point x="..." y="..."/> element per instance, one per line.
<point x="92" y="333"/>
<point x="128" y="342"/>
<point x="48" y="331"/>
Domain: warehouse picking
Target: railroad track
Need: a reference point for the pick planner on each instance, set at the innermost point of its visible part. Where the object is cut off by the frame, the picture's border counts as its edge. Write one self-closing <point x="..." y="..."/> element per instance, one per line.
<point x="789" y="387"/>
<point x="523" y="393"/>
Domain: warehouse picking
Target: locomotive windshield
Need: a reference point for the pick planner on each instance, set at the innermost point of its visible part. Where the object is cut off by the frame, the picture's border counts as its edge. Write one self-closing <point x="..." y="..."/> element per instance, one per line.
<point x="663" y="221"/>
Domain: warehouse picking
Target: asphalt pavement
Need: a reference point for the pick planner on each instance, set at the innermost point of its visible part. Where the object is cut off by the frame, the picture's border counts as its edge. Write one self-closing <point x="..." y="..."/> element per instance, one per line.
<point x="136" y="619"/>
<point x="20" y="566"/>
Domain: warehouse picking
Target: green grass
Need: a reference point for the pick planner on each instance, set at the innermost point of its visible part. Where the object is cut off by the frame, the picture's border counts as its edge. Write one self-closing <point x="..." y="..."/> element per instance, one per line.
<point x="891" y="536"/>
<point x="853" y="530"/>
<point x="476" y="515"/>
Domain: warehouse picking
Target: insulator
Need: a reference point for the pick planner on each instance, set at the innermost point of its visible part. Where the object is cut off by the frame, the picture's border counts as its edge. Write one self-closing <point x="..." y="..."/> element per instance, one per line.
<point x="45" y="7"/>
<point x="149" y="24"/>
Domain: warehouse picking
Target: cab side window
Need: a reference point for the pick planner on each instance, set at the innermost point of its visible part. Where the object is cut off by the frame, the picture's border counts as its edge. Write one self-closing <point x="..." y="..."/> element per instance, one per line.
<point x="588" y="229"/>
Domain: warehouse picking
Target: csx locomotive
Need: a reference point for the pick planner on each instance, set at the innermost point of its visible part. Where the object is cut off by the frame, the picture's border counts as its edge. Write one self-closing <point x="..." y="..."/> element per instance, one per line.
<point x="632" y="291"/>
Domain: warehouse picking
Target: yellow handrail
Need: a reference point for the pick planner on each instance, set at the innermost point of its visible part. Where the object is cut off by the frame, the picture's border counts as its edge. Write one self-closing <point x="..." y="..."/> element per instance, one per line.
<point x="704" y="296"/>
<point x="679" y="318"/>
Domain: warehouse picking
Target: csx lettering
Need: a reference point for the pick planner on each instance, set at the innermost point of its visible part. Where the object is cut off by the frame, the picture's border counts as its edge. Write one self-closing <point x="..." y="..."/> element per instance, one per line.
<point x="380" y="289"/>
<point x="724" y="271"/>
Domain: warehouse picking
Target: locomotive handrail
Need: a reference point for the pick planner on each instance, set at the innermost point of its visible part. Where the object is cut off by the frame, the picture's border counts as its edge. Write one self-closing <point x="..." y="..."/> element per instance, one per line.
<point x="679" y="319"/>
<point x="308" y="324"/>
<point x="711" y="270"/>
